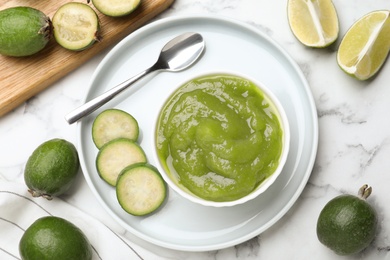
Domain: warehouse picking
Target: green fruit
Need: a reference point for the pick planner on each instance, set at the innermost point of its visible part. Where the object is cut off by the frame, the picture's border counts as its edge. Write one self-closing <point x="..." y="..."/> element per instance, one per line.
<point x="348" y="224"/>
<point x="76" y="26"/>
<point x="52" y="168"/>
<point x="116" y="8"/>
<point x="54" y="238"/>
<point x="23" y="31"/>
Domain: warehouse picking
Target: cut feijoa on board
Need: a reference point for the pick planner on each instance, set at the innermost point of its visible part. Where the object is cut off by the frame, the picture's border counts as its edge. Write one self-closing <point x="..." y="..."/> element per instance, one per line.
<point x="314" y="23"/>
<point x="116" y="8"/>
<point x="76" y="26"/>
<point x="23" y="31"/>
<point x="365" y="47"/>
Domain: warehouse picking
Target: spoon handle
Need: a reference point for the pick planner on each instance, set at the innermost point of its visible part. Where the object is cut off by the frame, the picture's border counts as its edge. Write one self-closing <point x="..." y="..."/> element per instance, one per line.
<point x="98" y="101"/>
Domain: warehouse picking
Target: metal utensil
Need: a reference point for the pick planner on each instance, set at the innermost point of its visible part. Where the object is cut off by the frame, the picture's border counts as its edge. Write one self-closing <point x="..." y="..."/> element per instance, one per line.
<point x="178" y="54"/>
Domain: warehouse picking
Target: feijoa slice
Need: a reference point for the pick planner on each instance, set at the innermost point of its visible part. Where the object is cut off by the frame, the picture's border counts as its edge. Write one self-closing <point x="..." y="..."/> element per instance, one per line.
<point x="23" y="31"/>
<point x="76" y="26"/>
<point x="140" y="189"/>
<point x="116" y="8"/>
<point x="112" y="124"/>
<point x="116" y="155"/>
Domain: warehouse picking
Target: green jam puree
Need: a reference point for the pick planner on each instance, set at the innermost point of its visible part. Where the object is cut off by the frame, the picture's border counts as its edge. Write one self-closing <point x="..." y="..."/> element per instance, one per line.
<point x="221" y="135"/>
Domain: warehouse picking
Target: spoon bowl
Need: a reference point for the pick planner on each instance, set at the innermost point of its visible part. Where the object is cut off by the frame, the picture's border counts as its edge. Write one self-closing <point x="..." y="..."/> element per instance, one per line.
<point x="176" y="55"/>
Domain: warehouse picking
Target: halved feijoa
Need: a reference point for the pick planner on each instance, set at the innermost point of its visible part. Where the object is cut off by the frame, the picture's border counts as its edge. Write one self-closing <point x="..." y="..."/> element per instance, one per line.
<point x="23" y="31"/>
<point x="76" y="26"/>
<point x="116" y="8"/>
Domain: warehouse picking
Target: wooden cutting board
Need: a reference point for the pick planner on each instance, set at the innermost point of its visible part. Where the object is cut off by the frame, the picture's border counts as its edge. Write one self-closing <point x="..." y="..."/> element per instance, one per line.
<point x="24" y="77"/>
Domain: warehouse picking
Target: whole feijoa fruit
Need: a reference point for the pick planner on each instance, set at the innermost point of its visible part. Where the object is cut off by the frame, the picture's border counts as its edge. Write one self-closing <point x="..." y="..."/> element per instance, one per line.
<point x="54" y="238"/>
<point x="51" y="168"/>
<point x="347" y="224"/>
<point x="23" y="31"/>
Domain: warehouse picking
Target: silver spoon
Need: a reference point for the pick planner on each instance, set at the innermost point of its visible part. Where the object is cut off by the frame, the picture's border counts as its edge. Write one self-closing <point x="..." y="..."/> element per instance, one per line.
<point x="178" y="54"/>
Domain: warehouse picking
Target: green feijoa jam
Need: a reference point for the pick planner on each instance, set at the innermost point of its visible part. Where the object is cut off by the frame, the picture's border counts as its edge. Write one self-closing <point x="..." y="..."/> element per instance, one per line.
<point x="222" y="136"/>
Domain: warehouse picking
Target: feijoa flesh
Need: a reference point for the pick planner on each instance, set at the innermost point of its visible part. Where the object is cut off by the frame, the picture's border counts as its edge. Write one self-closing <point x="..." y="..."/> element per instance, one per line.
<point x="347" y="224"/>
<point x="24" y="31"/>
<point x="116" y="8"/>
<point x="112" y="124"/>
<point x="76" y="26"/>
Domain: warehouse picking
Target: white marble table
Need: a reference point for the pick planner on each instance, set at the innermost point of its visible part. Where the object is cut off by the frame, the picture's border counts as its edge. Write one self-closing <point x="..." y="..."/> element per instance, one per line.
<point x="354" y="135"/>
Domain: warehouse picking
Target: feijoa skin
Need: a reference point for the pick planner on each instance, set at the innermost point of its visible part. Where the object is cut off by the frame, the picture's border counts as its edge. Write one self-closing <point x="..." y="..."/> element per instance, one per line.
<point x="24" y="31"/>
<point x="56" y="238"/>
<point x="347" y="224"/>
<point x="52" y="168"/>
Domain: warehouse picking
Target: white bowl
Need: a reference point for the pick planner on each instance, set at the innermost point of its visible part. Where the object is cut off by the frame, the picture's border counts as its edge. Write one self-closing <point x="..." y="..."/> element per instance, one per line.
<point x="172" y="178"/>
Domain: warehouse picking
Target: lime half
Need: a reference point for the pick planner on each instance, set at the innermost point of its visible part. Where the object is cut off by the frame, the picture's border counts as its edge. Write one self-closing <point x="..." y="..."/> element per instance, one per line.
<point x="365" y="46"/>
<point x="314" y="23"/>
<point x="76" y="26"/>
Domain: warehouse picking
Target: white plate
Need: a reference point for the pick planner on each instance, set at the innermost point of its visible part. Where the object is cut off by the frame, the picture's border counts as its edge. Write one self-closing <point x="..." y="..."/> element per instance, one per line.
<point x="230" y="46"/>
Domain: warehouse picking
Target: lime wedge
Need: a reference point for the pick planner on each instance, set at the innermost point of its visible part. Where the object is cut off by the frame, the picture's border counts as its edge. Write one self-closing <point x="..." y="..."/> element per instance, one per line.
<point x="76" y="26"/>
<point x="365" y="46"/>
<point x="314" y="23"/>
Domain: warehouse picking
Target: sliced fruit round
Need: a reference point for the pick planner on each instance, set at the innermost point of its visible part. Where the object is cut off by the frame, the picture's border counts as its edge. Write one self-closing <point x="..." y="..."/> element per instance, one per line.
<point x="116" y="155"/>
<point x="365" y="47"/>
<point x="347" y="224"/>
<point x="52" y="168"/>
<point x="140" y="189"/>
<point x="76" y="26"/>
<point x="116" y="8"/>
<point x="314" y="23"/>
<point x="23" y="31"/>
<point x="54" y="238"/>
<point x="112" y="124"/>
